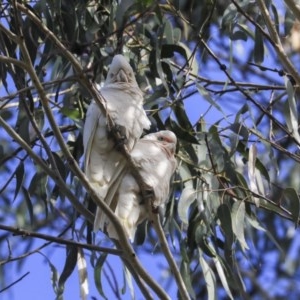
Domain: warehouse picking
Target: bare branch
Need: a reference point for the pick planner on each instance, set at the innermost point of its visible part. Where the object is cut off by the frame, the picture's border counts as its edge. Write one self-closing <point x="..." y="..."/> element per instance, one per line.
<point x="15" y="282"/>
<point x="277" y="42"/>
<point x="154" y="218"/>
<point x="46" y="237"/>
<point x="294" y="8"/>
<point x="58" y="180"/>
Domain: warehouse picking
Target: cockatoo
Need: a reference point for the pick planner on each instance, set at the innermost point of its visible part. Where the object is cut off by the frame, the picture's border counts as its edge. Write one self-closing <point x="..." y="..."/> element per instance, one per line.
<point x="103" y="163"/>
<point x="156" y="163"/>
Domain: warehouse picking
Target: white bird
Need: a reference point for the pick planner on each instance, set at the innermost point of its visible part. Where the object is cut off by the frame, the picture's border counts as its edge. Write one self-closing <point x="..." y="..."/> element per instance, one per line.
<point x="156" y="163"/>
<point x="104" y="164"/>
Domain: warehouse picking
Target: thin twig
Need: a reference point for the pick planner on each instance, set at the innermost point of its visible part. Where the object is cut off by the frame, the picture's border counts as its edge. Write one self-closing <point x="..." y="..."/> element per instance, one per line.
<point x="294" y="8"/>
<point x="154" y="217"/>
<point x="15" y="282"/>
<point x="277" y="42"/>
<point x="57" y="179"/>
<point x="46" y="237"/>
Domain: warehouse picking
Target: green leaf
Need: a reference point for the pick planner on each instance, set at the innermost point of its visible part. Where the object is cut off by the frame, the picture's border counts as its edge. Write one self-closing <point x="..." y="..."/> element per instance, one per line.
<point x="241" y="148"/>
<point x="37" y="187"/>
<point x="29" y="204"/>
<point x="186" y="276"/>
<point x="224" y="216"/>
<point x="181" y="132"/>
<point x="70" y="264"/>
<point x="128" y="279"/>
<point x="239" y="35"/>
<point x="182" y="118"/>
<point x="207" y="96"/>
<point x="252" y="169"/>
<point x="60" y="165"/>
<point x="209" y="277"/>
<point x="22" y="124"/>
<point x="238" y="221"/>
<point x="188" y="196"/>
<point x="292" y="117"/>
<point x="289" y="21"/>
<point x="168" y="51"/>
<point x="54" y="273"/>
<point x="229" y="15"/>
<point x="240" y="129"/>
<point x="292" y="197"/>
<point x="258" y="47"/>
<point x="97" y="274"/>
<point x="72" y="113"/>
<point x="222" y="276"/>
<point x="276" y="18"/>
<point x="193" y="62"/>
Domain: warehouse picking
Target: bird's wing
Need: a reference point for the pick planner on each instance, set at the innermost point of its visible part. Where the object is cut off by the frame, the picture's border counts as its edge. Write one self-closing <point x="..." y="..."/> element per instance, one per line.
<point x="89" y="130"/>
<point x="110" y="190"/>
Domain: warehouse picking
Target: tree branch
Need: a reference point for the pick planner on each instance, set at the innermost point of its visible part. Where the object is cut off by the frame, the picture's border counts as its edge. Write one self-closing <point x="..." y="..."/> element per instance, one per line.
<point x="15" y="282"/>
<point x="277" y="42"/>
<point x="46" y="237"/>
<point x="57" y="179"/>
<point x="154" y="218"/>
<point x="294" y="8"/>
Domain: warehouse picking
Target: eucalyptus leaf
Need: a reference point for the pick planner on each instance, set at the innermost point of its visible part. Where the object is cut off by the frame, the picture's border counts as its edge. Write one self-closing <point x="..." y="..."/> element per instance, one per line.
<point x="222" y="276"/>
<point x="238" y="221"/>
<point x="258" y="47"/>
<point x="188" y="195"/>
<point x="294" y="203"/>
<point x="209" y="277"/>
<point x="70" y="264"/>
<point x="98" y="272"/>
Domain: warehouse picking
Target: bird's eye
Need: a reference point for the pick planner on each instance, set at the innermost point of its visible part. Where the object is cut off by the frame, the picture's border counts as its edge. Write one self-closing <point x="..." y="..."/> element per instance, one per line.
<point x="160" y="138"/>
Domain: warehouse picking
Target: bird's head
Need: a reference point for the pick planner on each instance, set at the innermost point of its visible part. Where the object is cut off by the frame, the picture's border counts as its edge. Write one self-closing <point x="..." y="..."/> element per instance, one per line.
<point x="166" y="137"/>
<point x="120" y="71"/>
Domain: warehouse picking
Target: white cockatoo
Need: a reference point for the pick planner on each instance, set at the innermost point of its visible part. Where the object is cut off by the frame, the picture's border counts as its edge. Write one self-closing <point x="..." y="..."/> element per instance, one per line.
<point x="154" y="157"/>
<point x="103" y="163"/>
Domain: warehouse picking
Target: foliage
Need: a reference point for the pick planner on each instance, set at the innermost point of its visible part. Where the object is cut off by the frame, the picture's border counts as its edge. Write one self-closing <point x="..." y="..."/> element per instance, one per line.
<point x="221" y="74"/>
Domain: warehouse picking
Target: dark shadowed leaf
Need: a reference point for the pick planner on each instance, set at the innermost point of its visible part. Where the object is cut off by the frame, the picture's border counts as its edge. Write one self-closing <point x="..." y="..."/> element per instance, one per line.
<point x="169" y="51"/>
<point x="29" y="204"/>
<point x="70" y="264"/>
<point x="181" y="132"/>
<point x="97" y="274"/>
<point x="239" y="35"/>
<point x="258" y="47"/>
<point x="60" y="165"/>
<point x="224" y="215"/>
<point x="276" y="18"/>
<point x="289" y="21"/>
<point x="292" y="197"/>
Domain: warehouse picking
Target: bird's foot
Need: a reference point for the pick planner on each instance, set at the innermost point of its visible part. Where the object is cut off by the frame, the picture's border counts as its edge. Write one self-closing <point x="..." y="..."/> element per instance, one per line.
<point x="147" y="195"/>
<point x="118" y="132"/>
